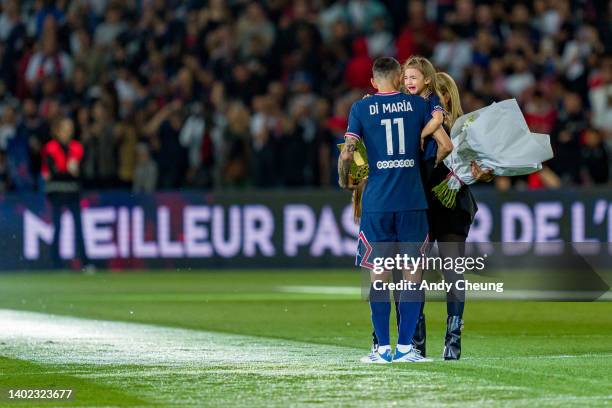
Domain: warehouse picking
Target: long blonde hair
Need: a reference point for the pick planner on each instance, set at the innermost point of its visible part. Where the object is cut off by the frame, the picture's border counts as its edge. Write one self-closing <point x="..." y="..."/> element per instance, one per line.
<point x="426" y="68"/>
<point x="447" y="86"/>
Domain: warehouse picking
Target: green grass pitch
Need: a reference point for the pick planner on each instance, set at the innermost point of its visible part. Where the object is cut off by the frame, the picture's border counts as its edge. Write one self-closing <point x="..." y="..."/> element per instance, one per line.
<point x="277" y="338"/>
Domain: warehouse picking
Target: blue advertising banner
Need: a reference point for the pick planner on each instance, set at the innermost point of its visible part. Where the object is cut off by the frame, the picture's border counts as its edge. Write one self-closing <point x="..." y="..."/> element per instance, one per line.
<point x="267" y="229"/>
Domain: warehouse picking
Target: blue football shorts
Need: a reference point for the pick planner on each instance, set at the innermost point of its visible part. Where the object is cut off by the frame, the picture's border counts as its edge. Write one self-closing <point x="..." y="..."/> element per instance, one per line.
<point x="385" y="234"/>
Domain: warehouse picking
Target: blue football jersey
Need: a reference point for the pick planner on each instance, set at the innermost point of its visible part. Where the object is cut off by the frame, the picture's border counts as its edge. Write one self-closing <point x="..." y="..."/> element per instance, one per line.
<point x="431" y="147"/>
<point x="390" y="126"/>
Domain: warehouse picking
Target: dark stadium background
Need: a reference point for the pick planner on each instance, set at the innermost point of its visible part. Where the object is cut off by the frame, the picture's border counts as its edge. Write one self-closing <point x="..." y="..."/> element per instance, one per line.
<point x="221" y="103"/>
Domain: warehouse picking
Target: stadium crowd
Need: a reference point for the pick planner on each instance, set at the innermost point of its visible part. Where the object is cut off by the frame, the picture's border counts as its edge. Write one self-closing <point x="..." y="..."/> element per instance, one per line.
<point x="170" y="94"/>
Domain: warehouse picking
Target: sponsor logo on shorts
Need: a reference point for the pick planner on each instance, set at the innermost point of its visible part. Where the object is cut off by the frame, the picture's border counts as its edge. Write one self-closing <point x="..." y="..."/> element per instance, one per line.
<point x="394" y="164"/>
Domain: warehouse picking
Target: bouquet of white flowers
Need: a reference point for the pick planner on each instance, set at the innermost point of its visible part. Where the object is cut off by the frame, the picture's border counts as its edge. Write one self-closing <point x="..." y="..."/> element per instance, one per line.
<point x="497" y="138"/>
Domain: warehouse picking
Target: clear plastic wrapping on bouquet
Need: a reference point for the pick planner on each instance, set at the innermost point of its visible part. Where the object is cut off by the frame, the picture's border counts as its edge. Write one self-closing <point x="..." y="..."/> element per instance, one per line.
<point x="495" y="137"/>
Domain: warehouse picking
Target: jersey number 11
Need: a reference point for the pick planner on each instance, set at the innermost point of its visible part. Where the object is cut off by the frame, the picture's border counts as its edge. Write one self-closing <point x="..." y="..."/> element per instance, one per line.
<point x="389" y="130"/>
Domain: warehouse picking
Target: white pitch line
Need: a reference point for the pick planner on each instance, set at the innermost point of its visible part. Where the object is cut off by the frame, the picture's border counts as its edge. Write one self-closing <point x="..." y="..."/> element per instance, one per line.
<point x="61" y="339"/>
<point x="48" y="338"/>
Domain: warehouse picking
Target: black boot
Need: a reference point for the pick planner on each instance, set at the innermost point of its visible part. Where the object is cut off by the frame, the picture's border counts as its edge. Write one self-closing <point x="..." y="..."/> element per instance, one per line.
<point x="452" y="341"/>
<point x="419" y="337"/>
<point x="374" y="341"/>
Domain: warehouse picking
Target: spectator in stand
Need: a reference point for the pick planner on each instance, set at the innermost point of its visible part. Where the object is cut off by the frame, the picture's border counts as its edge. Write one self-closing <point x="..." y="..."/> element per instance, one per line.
<point x="595" y="158"/>
<point x="93" y="59"/>
<point x="10" y="20"/>
<point x="540" y="114"/>
<point x="337" y="124"/>
<point x="12" y="32"/>
<point x="61" y="161"/>
<point x="359" y="67"/>
<point x="566" y="139"/>
<point x="233" y="160"/>
<point x="35" y="130"/>
<point x="452" y="54"/>
<point x="6" y="98"/>
<point x="77" y="89"/>
<point x="110" y="28"/>
<point x="331" y="14"/>
<point x="325" y="142"/>
<point x="462" y="19"/>
<point x="8" y="126"/>
<point x="520" y="80"/>
<point x="301" y="145"/>
<point x="364" y="12"/>
<point x="267" y="127"/>
<point x="192" y="136"/>
<point x="171" y="158"/>
<point x="292" y="160"/>
<point x="49" y="61"/>
<point x="600" y="97"/>
<point x="99" y="164"/>
<point x="145" y="171"/>
<point x="253" y="23"/>
<point x="195" y="139"/>
<point x="17" y="149"/>
<point x="46" y="10"/>
<point x="126" y="135"/>
<point x="418" y="35"/>
<point x="380" y="40"/>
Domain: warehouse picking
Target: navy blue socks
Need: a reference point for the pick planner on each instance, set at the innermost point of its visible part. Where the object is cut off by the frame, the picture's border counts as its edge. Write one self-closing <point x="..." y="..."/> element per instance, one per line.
<point x="380" y="306"/>
<point x="409" y="310"/>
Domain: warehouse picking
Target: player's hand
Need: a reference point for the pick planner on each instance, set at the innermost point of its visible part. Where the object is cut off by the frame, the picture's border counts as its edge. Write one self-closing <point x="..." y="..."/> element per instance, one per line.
<point x="480" y="174"/>
<point x="354" y="186"/>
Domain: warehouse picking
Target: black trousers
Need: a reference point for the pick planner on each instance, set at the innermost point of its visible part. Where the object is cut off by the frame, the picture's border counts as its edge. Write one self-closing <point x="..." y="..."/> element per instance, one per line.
<point x="71" y="202"/>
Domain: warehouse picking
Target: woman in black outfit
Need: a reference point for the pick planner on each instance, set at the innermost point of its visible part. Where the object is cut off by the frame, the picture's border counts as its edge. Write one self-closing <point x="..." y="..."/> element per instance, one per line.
<point x="448" y="227"/>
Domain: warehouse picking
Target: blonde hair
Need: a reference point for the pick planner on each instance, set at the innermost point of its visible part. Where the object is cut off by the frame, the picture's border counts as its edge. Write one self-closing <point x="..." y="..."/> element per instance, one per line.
<point x="426" y="68"/>
<point x="447" y="85"/>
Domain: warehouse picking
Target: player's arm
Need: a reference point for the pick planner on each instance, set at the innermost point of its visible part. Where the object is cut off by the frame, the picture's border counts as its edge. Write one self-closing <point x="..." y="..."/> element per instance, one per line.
<point x="353" y="134"/>
<point x="445" y="146"/>
<point x="345" y="160"/>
